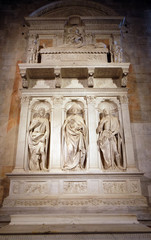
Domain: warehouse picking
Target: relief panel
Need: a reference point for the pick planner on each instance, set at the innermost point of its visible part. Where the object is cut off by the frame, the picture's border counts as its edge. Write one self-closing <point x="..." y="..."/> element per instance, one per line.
<point x="34" y="188"/>
<point x="114" y="187"/>
<point x="75" y="187"/>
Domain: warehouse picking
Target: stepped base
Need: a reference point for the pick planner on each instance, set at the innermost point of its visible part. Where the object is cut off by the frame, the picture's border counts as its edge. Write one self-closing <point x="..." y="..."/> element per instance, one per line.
<point x="73" y="223"/>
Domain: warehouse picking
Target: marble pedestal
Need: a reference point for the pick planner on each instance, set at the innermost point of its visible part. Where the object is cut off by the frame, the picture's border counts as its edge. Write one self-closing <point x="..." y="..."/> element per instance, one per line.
<point x="76" y="193"/>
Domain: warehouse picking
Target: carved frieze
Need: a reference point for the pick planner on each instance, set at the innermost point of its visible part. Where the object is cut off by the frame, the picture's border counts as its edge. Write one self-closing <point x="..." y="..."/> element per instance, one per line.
<point x="97" y="202"/>
<point x="69" y="54"/>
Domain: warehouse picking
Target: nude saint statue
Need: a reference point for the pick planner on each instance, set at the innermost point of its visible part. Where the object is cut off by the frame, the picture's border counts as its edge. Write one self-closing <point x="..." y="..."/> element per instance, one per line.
<point x="109" y="141"/>
<point x="74" y="139"/>
<point x="38" y="141"/>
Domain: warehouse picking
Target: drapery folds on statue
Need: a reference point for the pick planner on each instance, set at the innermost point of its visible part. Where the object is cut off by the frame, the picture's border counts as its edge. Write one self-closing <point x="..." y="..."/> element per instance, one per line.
<point x="74" y="139"/>
<point x="110" y="141"/>
<point x="38" y="141"/>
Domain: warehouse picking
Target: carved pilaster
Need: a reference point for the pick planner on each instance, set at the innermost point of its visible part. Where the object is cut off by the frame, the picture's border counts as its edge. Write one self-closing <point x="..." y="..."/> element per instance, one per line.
<point x="57" y="73"/>
<point x="91" y="102"/>
<point x="56" y="132"/>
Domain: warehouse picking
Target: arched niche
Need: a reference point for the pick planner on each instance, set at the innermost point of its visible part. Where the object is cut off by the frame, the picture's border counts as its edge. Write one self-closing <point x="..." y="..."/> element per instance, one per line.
<point x="38" y="136"/>
<point x="74" y="138"/>
<point x="111" y="143"/>
<point x="67" y="8"/>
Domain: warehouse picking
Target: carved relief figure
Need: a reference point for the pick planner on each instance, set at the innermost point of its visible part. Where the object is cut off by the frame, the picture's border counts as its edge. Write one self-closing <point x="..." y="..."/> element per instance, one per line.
<point x="74" y="142"/>
<point x="33" y="50"/>
<point x="117" y="53"/>
<point x="38" y="141"/>
<point x="110" y="141"/>
<point x="74" y="36"/>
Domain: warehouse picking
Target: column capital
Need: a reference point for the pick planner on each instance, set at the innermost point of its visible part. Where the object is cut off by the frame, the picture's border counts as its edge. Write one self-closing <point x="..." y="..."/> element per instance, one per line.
<point x="123" y="99"/>
<point x="57" y="100"/>
<point x="25" y="99"/>
<point x="90" y="99"/>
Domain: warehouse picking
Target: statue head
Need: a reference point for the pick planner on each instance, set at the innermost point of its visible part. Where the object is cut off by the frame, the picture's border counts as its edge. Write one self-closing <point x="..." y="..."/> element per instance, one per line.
<point x="106" y="112"/>
<point x="41" y="112"/>
<point x="75" y="109"/>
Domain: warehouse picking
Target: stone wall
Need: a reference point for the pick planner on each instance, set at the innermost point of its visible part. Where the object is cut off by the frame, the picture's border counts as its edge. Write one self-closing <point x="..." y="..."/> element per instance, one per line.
<point x="136" y="40"/>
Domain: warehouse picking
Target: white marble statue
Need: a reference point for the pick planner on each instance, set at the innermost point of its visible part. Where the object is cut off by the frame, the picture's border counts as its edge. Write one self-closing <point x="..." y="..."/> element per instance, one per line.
<point x="38" y="141"/>
<point x="117" y="53"/>
<point x="32" y="56"/>
<point x="109" y="141"/>
<point x="74" y="139"/>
